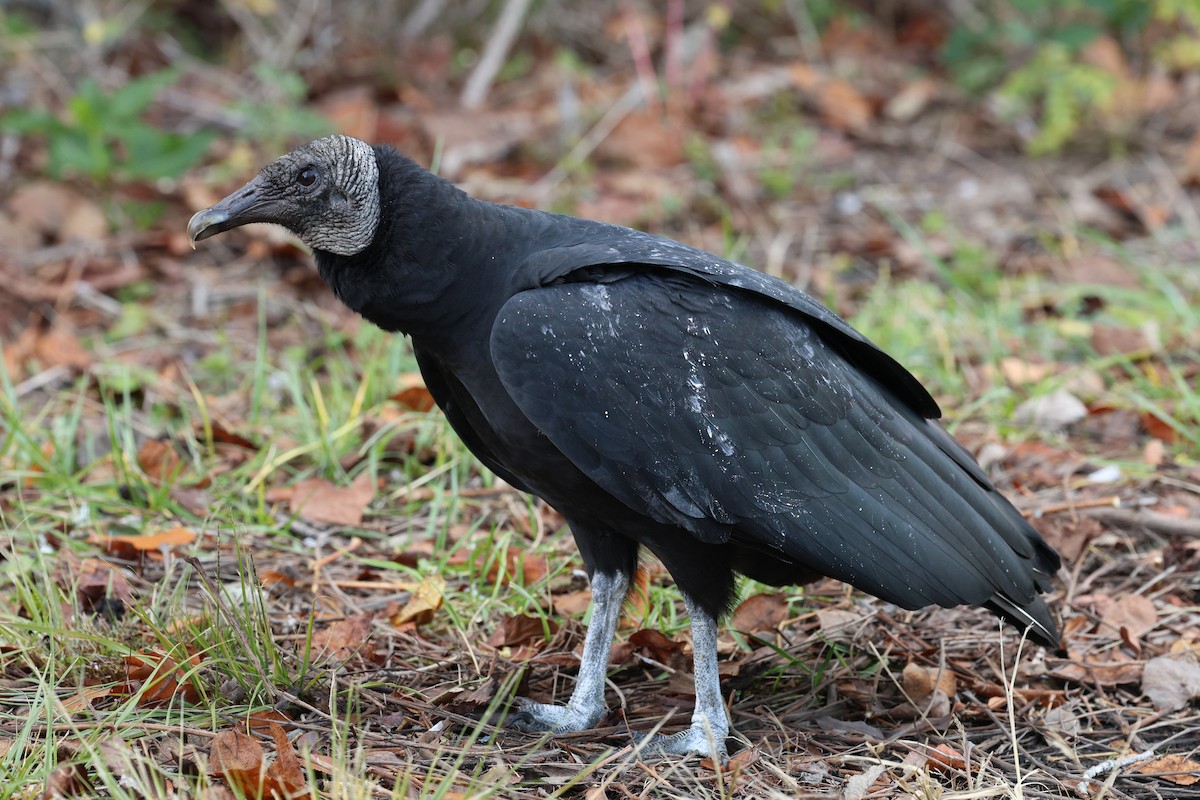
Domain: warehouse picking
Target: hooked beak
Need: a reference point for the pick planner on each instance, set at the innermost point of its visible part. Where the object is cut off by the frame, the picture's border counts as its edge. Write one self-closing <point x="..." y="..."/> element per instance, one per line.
<point x="248" y="204"/>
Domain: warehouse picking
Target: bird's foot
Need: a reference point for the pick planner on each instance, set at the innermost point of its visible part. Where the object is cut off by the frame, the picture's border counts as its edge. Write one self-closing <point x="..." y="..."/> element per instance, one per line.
<point x="534" y="717"/>
<point x="701" y="739"/>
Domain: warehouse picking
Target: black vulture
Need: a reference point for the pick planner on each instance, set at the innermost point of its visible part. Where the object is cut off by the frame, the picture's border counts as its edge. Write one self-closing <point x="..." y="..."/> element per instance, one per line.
<point x="657" y="396"/>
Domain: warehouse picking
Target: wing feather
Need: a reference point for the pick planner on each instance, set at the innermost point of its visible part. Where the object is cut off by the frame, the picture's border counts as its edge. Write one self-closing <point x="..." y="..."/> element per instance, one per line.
<point x="732" y="416"/>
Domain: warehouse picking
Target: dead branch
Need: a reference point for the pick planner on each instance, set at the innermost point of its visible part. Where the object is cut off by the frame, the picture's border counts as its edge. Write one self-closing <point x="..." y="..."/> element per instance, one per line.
<point x="494" y="52"/>
<point x="1131" y="519"/>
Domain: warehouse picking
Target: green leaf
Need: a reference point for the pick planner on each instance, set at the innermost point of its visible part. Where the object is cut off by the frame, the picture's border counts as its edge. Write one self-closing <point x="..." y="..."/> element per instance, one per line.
<point x="166" y="155"/>
<point x="133" y="98"/>
<point x="71" y="151"/>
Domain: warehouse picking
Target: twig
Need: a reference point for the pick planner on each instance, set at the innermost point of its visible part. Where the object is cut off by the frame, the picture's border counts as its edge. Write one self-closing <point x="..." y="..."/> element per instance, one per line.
<point x="421" y="18"/>
<point x="393" y="586"/>
<point x="318" y="563"/>
<point x="1150" y="520"/>
<point x="639" y="51"/>
<point x="1083" y="789"/>
<point x="494" y="52"/>
<point x="632" y="98"/>
<point x="1113" y="501"/>
<point x="43" y="378"/>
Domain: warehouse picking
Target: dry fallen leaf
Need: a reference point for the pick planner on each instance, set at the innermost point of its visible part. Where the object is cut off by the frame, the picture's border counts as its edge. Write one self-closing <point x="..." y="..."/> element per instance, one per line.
<point x="344" y="638"/>
<point x="157" y="679"/>
<point x="412" y="393"/>
<point x="1051" y="412"/>
<point x="656" y="644"/>
<point x="130" y="547"/>
<point x="426" y="599"/>
<point x="571" y="603"/>
<point x="319" y="500"/>
<point x="921" y="682"/>
<point x="1175" y="768"/>
<point x="945" y="758"/>
<point x="159" y="461"/>
<point x="1134" y="613"/>
<point x="519" y="629"/>
<point x="239" y="760"/>
<point x="760" y="612"/>
<point x="1171" y="683"/>
<point x="59" y="347"/>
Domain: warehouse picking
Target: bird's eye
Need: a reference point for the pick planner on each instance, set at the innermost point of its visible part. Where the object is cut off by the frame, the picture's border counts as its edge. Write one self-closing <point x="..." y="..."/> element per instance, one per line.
<point x="307" y="177"/>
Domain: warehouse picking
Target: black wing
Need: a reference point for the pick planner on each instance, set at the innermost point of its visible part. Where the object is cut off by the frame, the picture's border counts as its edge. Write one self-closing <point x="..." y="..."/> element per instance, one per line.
<point x="591" y="249"/>
<point x="722" y="412"/>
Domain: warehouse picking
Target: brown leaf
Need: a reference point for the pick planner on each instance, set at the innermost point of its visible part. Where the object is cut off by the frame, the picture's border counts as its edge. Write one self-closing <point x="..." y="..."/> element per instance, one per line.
<point x="945" y="758"/>
<point x="1134" y="613"/>
<point x="83" y="699"/>
<point x="238" y="759"/>
<point x="909" y="102"/>
<point x="843" y="106"/>
<point x="656" y="644"/>
<point x="67" y="780"/>
<point x="571" y="603"/>
<point x="412" y="393"/>
<point x="424" y="602"/>
<point x="95" y="581"/>
<point x="159" y="461"/>
<point x="222" y="435"/>
<point x="345" y="638"/>
<point x="319" y="500"/>
<point x="647" y="139"/>
<point x="157" y="679"/>
<point x="760" y="612"/>
<point x="1157" y="427"/>
<point x="921" y="682"/>
<point x="59" y="347"/>
<point x="518" y="629"/>
<point x="837" y="624"/>
<point x="131" y="546"/>
<point x="1175" y="768"/>
<point x="531" y="566"/>
<point x="1020" y="371"/>
<point x="1115" y="670"/>
<point x="1108" y="340"/>
<point x="285" y="776"/>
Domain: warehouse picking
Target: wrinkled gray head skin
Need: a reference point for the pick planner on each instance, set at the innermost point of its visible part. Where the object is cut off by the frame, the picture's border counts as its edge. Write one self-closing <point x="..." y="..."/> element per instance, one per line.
<point x="326" y="192"/>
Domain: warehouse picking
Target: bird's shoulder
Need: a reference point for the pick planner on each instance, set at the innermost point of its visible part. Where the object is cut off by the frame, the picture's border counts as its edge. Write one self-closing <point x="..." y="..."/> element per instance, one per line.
<point x="577" y="250"/>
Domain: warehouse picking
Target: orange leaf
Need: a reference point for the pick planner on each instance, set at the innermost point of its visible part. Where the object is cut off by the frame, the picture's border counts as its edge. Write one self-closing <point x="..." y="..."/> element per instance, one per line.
<point x="412" y="393"/>
<point x="944" y="758"/>
<point x="159" y="461"/>
<point x="129" y="546"/>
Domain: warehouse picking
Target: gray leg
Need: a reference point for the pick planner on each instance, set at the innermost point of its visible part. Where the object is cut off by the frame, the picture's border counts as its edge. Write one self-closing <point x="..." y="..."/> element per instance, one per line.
<point x="586" y="706"/>
<point x="710" y="725"/>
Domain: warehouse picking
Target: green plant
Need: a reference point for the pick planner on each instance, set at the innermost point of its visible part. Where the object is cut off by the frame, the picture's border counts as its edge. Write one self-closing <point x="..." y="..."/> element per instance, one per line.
<point x="103" y="136"/>
<point x="1058" y="83"/>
